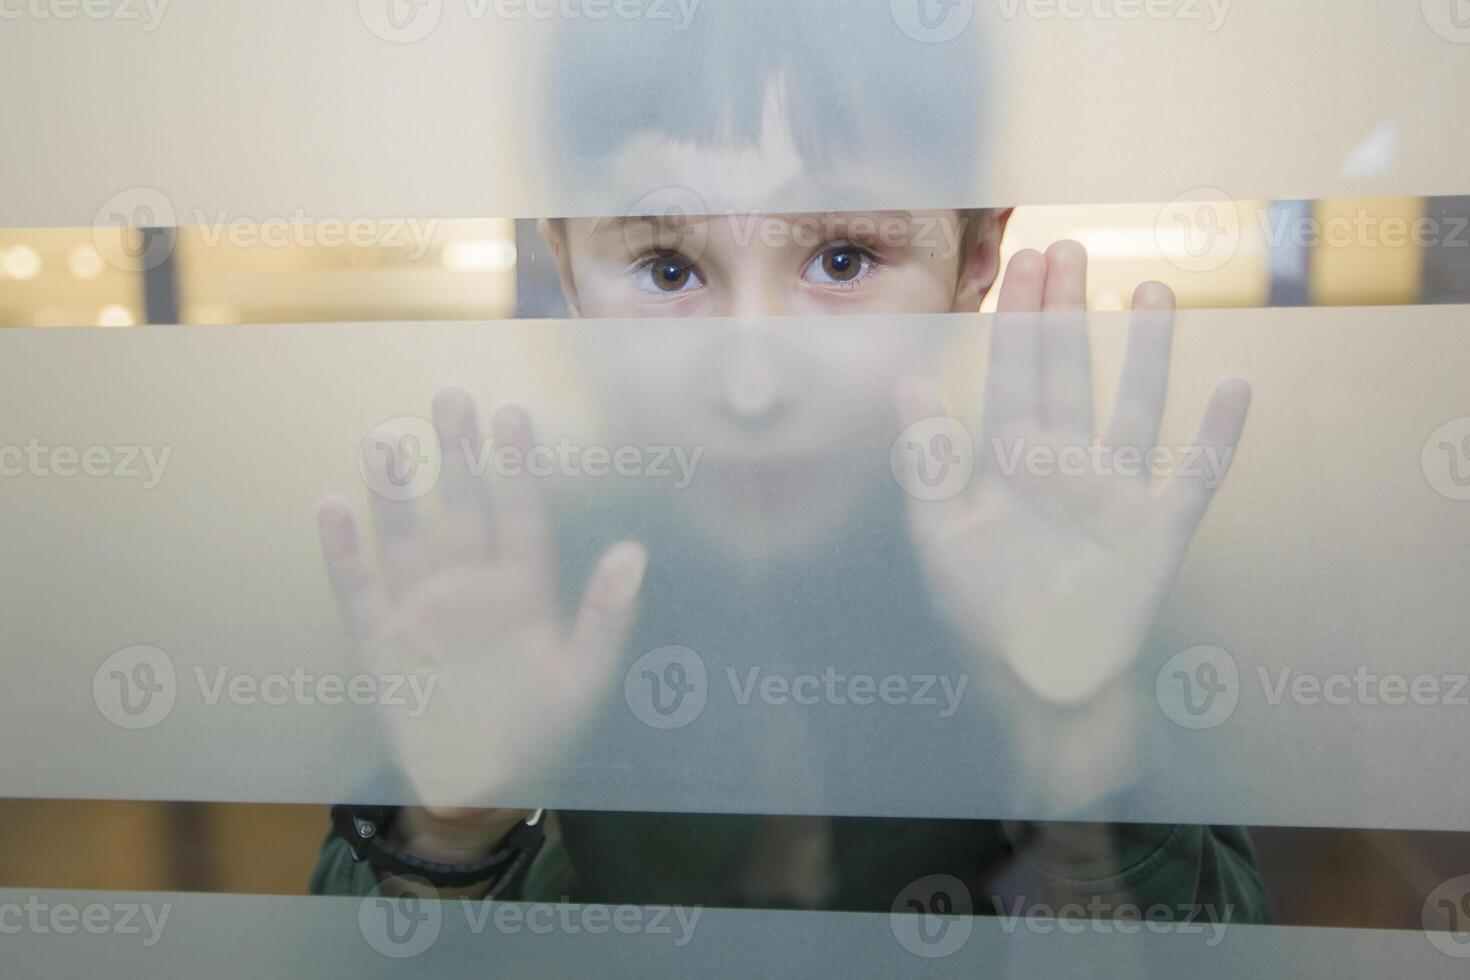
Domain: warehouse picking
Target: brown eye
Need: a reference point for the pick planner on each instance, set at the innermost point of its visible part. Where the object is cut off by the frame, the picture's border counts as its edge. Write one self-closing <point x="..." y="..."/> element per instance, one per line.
<point x="669" y="275"/>
<point x="842" y="265"/>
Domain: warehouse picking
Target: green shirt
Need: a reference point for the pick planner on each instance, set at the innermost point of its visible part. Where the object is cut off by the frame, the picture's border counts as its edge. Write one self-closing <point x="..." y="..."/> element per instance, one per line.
<point x="717" y="860"/>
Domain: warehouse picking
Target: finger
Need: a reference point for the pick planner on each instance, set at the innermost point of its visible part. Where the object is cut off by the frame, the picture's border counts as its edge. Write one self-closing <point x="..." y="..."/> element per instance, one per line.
<point x="610" y="606"/>
<point x="1024" y="283"/>
<point x="1066" y="377"/>
<point x="465" y="534"/>
<point x="1188" y="494"/>
<point x="407" y="550"/>
<point x="522" y="528"/>
<point x="919" y="401"/>
<point x="1012" y="381"/>
<point x="1143" y="386"/>
<point x="1065" y="287"/>
<point x="356" y="587"/>
<point x="1066" y="358"/>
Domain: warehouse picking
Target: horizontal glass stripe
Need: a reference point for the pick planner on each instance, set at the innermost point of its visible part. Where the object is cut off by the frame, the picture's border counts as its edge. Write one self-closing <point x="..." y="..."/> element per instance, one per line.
<point x="171" y="632"/>
<point x="179" y="113"/>
<point x="147" y="934"/>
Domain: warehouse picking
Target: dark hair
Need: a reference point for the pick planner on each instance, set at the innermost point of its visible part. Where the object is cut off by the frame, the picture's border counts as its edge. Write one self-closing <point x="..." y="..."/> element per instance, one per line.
<point x="853" y="83"/>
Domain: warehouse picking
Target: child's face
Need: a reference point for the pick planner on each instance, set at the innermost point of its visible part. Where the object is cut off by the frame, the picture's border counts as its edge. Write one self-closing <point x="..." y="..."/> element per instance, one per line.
<point x="785" y="416"/>
<point x="769" y="265"/>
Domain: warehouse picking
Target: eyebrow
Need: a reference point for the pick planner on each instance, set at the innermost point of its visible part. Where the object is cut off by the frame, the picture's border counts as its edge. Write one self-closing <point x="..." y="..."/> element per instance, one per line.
<point x="840" y="216"/>
<point x="623" y="221"/>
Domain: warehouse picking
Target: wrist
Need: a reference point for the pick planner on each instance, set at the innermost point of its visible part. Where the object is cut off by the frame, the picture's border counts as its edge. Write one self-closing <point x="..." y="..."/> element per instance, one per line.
<point x="454" y="849"/>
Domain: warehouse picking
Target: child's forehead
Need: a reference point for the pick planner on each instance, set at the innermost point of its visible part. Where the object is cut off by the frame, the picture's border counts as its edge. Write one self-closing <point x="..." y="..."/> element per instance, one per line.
<point x="656" y="172"/>
<point x="768" y="168"/>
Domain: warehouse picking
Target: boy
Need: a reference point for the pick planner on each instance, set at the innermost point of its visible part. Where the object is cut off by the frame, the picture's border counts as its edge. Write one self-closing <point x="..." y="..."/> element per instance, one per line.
<point x="1010" y="578"/>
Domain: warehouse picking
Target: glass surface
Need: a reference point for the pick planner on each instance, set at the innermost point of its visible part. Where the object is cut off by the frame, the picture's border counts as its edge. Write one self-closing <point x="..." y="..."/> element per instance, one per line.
<point x="747" y="455"/>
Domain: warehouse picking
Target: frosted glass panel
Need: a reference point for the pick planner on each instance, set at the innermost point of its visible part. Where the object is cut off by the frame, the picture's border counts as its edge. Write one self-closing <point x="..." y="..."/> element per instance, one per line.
<point x="192" y="112"/>
<point x="834" y="574"/>
<point x="232" y="936"/>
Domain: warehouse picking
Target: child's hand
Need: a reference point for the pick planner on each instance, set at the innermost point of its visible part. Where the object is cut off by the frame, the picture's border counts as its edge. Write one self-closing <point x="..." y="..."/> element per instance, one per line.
<point x="474" y="607"/>
<point x="1060" y="576"/>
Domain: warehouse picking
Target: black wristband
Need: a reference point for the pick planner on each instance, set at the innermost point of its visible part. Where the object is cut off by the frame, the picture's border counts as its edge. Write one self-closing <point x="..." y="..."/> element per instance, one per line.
<point x="365" y="829"/>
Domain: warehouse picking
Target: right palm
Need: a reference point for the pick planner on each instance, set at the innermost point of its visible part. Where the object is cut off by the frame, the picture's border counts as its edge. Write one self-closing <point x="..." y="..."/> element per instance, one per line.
<point x="472" y="608"/>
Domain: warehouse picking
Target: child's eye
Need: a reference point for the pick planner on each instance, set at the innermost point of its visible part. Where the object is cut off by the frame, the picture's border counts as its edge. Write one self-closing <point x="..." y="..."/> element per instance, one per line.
<point x="667" y="274"/>
<point x="841" y="265"/>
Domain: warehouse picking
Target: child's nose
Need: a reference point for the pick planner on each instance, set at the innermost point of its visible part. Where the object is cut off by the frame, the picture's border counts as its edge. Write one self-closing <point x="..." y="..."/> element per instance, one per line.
<point x="752" y="390"/>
